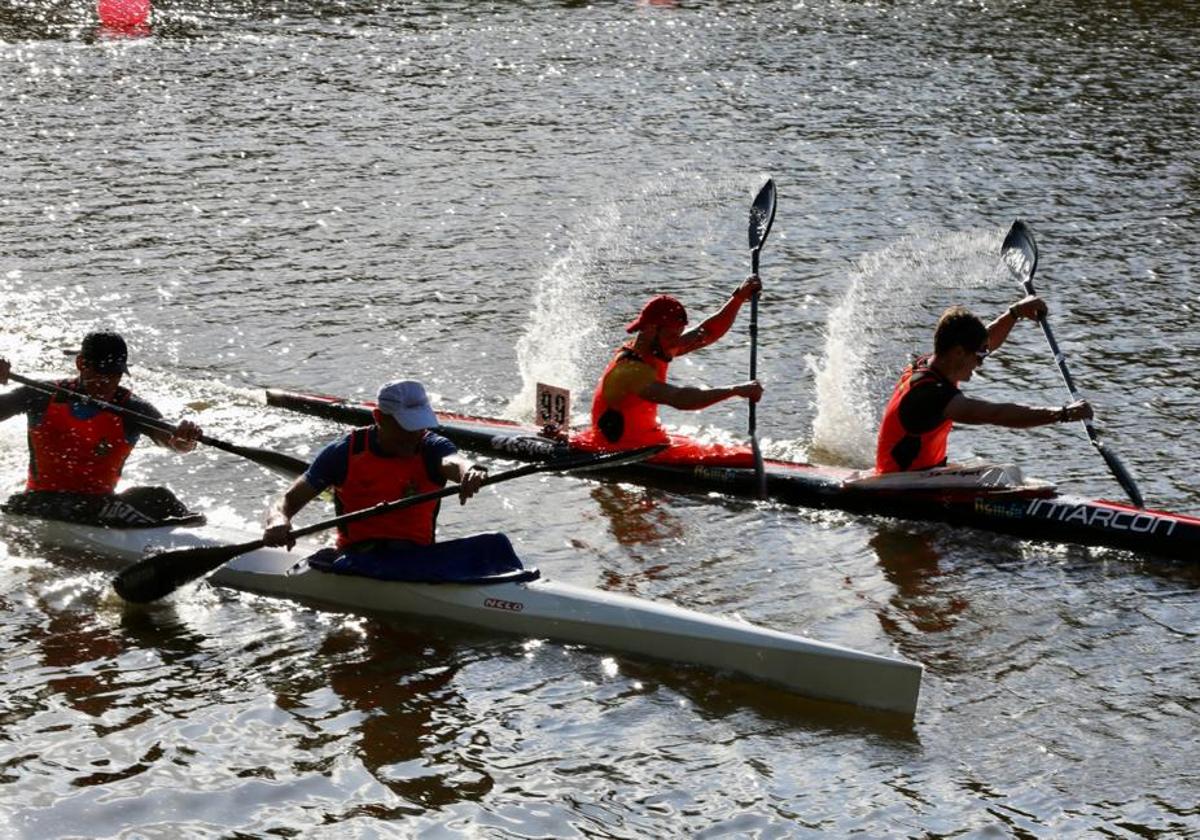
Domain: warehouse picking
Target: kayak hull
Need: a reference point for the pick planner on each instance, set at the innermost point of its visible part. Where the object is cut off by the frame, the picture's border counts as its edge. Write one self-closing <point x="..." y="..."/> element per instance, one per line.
<point x="606" y="620"/>
<point x="537" y="608"/>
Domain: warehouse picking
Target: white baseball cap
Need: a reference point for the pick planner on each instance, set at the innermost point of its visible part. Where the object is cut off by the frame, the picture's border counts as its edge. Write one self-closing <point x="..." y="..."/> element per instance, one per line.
<point x="408" y="403"/>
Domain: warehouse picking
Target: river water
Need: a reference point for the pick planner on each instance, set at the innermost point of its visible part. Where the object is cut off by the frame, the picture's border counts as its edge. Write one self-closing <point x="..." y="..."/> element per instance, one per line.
<point x="329" y="195"/>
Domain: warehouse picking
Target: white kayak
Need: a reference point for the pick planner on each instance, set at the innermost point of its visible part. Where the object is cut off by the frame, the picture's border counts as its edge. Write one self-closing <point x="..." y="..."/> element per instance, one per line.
<point x="538" y="608"/>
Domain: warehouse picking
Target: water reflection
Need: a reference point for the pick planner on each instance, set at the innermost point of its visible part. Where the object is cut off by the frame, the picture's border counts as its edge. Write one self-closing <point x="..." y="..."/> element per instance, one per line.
<point x="407" y="730"/>
<point x="76" y="647"/>
<point x="120" y="33"/>
<point x="913" y="565"/>
<point x="635" y="515"/>
<point x="78" y="688"/>
<point x="640" y="524"/>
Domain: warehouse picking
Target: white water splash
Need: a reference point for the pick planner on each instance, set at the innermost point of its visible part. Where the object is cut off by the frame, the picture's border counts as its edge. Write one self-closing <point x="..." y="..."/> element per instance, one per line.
<point x="564" y="317"/>
<point x="886" y="317"/>
<point x="570" y="330"/>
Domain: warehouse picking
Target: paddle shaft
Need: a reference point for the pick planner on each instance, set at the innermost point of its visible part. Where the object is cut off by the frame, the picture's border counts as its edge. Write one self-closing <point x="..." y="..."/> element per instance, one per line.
<point x="410" y="501"/>
<point x="754" y="337"/>
<point x="264" y="457"/>
<point x="576" y="462"/>
<point x="1115" y="465"/>
<point x="762" y="216"/>
<point x="238" y="549"/>
<point x="1061" y="360"/>
<point x="1020" y="239"/>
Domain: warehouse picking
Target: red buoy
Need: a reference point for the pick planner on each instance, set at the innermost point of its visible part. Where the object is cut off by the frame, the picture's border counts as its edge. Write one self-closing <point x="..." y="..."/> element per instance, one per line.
<point x="123" y="14"/>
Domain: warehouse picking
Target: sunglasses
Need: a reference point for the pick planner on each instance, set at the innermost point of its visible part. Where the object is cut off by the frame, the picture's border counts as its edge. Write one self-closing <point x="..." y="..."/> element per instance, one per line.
<point x="982" y="354"/>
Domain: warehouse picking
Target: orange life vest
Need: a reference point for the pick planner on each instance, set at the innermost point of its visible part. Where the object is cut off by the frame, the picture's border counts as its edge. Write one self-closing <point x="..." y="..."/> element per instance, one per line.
<point x="631" y="421"/>
<point x="898" y="449"/>
<point x="371" y="479"/>
<point x="70" y="455"/>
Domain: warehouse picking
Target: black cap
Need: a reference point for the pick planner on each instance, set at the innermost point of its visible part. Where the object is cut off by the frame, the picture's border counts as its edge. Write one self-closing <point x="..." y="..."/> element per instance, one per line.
<point x="105" y="352"/>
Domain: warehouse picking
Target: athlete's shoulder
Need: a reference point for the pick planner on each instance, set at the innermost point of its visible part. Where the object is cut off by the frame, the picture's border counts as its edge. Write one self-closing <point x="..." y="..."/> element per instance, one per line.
<point x="133" y="402"/>
<point x="435" y="444"/>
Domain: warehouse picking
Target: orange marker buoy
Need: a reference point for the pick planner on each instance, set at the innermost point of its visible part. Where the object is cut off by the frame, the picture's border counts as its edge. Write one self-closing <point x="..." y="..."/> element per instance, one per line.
<point x="123" y="14"/>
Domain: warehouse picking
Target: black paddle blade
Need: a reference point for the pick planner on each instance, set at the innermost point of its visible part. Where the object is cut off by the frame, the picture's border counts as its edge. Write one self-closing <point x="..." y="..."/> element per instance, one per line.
<point x="762" y="215"/>
<point x="1122" y="475"/>
<point x="1020" y="253"/>
<point x="158" y="575"/>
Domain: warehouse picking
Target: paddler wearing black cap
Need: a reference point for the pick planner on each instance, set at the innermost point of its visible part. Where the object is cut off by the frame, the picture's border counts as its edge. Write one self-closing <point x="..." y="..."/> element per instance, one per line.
<point x="927" y="402"/>
<point x="633" y="386"/>
<point x="76" y="448"/>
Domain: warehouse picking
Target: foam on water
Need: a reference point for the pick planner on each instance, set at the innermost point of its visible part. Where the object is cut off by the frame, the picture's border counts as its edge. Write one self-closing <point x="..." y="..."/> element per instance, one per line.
<point x="565" y="315"/>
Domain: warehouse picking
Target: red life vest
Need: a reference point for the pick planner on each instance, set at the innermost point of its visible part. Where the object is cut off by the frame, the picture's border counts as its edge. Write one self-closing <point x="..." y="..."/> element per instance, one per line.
<point x="631" y="421"/>
<point x="899" y="450"/>
<point x="70" y="455"/>
<point x="371" y="479"/>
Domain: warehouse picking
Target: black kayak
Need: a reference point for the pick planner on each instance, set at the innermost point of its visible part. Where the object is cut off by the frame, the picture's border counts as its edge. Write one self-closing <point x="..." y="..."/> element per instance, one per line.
<point x="1031" y="511"/>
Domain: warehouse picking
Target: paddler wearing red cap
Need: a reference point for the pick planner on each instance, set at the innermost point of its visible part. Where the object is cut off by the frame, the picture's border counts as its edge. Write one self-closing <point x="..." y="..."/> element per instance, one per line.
<point x="633" y="386"/>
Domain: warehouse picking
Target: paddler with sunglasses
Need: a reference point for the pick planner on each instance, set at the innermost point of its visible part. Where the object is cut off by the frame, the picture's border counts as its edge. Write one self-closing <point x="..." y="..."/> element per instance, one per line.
<point x="927" y="401"/>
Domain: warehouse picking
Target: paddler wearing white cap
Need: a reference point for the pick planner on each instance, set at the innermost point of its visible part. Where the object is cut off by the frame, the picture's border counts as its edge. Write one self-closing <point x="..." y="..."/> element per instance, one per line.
<point x="396" y="457"/>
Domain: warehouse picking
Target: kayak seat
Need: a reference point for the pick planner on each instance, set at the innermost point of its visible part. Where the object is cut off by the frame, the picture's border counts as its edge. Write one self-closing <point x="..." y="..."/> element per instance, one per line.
<point x="482" y="558"/>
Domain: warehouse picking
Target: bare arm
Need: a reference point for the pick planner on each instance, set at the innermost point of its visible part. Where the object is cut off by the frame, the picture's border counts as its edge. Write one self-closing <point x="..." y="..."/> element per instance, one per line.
<point x="693" y="399"/>
<point x="468" y="476"/>
<point x="1030" y="307"/>
<point x="279" y="519"/>
<point x="715" y="326"/>
<point x="963" y="409"/>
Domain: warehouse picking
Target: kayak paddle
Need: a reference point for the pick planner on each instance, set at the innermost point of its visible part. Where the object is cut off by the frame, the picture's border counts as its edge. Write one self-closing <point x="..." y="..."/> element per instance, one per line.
<point x="158" y="575"/>
<point x="762" y="214"/>
<point x="277" y="461"/>
<point x="1020" y="254"/>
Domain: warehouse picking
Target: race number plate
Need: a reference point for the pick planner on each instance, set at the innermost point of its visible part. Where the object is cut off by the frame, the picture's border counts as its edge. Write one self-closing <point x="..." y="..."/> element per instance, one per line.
<point x="553" y="406"/>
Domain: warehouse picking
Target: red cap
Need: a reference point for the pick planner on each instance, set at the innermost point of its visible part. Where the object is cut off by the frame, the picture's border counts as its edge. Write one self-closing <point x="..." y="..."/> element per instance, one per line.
<point x="659" y="311"/>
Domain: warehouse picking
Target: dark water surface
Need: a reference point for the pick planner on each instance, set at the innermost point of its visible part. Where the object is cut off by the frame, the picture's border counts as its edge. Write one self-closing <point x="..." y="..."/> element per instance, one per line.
<point x="328" y="195"/>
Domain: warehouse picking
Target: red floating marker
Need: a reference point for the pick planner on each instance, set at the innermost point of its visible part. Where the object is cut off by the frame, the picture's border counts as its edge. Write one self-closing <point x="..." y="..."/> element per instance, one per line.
<point x="123" y="14"/>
